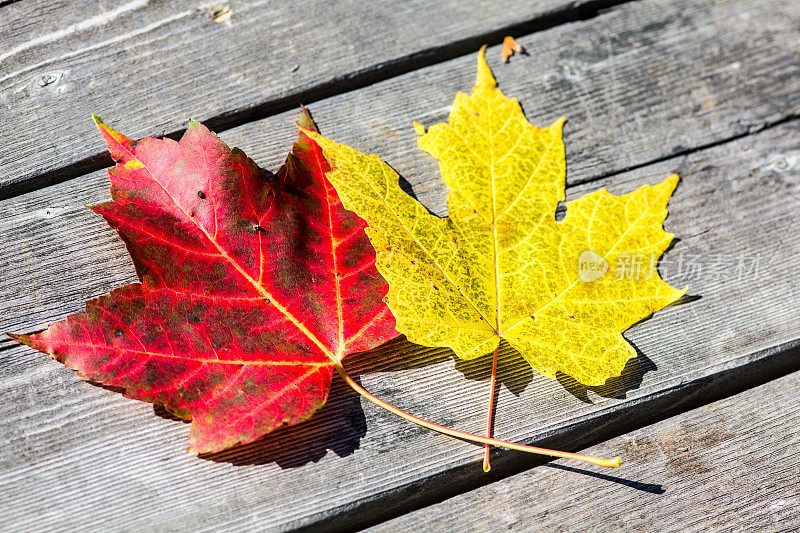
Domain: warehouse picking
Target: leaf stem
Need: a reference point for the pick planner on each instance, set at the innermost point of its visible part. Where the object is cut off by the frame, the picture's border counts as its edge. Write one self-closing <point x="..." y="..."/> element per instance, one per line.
<point x="611" y="463"/>
<point x="490" y="411"/>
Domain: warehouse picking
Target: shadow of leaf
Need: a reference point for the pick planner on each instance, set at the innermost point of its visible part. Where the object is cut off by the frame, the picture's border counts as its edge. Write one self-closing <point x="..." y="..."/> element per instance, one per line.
<point x="617" y="387"/>
<point x="652" y="488"/>
<point x="632" y="375"/>
<point x="397" y="354"/>
<point x="513" y="371"/>
<point x="340" y="424"/>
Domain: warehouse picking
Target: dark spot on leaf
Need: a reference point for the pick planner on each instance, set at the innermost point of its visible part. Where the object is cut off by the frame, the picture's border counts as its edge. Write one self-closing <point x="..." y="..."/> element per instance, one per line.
<point x="201" y="195"/>
<point x="435" y="287"/>
<point x="119" y="333"/>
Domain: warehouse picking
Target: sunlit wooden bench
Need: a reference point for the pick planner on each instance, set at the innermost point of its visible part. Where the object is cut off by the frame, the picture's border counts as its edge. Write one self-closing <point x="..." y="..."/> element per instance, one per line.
<point x="705" y="417"/>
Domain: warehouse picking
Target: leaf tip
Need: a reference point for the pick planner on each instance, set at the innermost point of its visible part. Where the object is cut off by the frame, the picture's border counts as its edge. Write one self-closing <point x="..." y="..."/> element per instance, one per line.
<point x="104" y="128"/>
<point x="419" y="129"/>
<point x="558" y="125"/>
<point x="306" y="121"/>
<point x="484" y="80"/>
<point x="668" y="186"/>
<point x="22" y="339"/>
<point x="114" y="139"/>
<point x="674" y="179"/>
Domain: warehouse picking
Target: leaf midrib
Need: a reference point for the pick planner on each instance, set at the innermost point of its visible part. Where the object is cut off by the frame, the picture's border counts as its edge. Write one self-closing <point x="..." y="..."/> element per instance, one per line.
<point x="236" y="362"/>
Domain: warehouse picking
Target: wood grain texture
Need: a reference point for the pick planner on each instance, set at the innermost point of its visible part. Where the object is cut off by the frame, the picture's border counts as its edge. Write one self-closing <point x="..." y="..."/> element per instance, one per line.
<point x="637" y="84"/>
<point x="112" y="462"/>
<point x="60" y="62"/>
<point x="729" y="466"/>
<point x="631" y="124"/>
<point x="97" y="460"/>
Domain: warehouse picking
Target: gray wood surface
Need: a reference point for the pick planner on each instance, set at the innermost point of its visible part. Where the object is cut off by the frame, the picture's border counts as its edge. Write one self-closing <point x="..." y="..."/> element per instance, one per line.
<point x="61" y="61"/>
<point x="732" y="465"/>
<point x="641" y="83"/>
<point x="115" y="463"/>
<point x="97" y="460"/>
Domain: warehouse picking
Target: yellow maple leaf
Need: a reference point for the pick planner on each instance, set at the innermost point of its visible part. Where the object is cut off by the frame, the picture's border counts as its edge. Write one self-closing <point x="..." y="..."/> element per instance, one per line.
<point x="501" y="266"/>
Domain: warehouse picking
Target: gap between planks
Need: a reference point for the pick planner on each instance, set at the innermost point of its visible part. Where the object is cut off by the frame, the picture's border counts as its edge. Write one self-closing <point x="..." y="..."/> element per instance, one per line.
<point x="768" y="125"/>
<point x="748" y="370"/>
<point x="338" y="85"/>
<point x="726" y="465"/>
<point x="792" y="353"/>
<point x="772" y="364"/>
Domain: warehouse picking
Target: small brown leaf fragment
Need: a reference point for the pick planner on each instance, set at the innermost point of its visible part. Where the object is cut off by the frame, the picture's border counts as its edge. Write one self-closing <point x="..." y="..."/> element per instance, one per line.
<point x="509" y="47"/>
<point x="220" y="13"/>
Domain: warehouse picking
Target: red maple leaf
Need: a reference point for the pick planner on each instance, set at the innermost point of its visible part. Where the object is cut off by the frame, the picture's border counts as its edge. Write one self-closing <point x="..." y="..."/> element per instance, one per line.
<point x="253" y="287"/>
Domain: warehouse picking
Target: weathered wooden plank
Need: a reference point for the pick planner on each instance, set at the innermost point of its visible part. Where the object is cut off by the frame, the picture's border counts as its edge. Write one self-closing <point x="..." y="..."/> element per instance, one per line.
<point x="113" y="463"/>
<point x="61" y="61"/>
<point x="731" y="465"/>
<point x="617" y="120"/>
<point x="93" y="457"/>
<point x="637" y="84"/>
